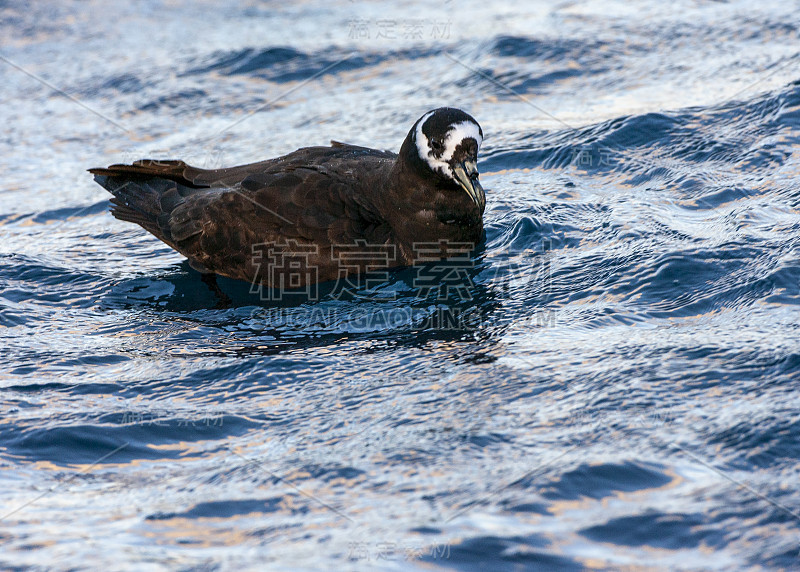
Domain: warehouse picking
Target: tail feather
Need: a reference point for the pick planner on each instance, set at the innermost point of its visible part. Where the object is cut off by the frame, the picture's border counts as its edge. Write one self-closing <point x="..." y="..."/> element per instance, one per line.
<point x="146" y="192"/>
<point x="177" y="171"/>
<point x="134" y="201"/>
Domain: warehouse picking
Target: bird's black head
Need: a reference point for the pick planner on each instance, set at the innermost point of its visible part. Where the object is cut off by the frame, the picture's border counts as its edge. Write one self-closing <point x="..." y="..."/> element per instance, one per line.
<point x="444" y="144"/>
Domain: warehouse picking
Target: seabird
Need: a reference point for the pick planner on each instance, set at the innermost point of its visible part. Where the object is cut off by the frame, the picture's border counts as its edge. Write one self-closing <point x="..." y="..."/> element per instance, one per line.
<point x="308" y="212"/>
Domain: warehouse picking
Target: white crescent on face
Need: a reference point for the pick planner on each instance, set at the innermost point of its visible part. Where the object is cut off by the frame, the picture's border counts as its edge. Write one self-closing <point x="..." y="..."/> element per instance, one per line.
<point x="456" y="133"/>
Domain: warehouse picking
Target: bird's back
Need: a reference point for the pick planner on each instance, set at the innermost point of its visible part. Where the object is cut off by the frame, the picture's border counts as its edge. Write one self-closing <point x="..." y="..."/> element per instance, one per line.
<point x="249" y="221"/>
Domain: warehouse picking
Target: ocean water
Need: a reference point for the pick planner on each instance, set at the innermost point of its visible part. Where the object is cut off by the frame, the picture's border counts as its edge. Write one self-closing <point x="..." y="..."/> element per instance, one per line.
<point x="616" y="386"/>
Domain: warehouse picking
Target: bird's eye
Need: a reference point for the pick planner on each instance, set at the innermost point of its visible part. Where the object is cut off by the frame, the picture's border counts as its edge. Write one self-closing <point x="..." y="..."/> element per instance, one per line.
<point x="437" y="144"/>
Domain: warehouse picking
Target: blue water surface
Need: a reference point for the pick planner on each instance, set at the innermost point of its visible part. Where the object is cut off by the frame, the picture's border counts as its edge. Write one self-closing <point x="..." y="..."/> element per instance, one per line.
<point x="616" y="387"/>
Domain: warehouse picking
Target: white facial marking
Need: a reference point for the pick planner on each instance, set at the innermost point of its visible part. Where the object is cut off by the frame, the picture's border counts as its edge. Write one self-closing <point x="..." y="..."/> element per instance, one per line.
<point x="455" y="135"/>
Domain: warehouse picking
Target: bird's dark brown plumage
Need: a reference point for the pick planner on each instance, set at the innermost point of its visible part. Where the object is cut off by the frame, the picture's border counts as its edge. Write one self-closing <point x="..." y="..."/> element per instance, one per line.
<point x="309" y="206"/>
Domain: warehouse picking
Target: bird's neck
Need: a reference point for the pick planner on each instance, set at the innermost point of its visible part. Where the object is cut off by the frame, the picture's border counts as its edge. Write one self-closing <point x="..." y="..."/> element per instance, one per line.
<point x="423" y="213"/>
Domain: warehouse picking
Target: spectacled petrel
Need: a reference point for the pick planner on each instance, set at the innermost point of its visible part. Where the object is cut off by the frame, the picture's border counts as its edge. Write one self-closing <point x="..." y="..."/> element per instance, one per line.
<point x="312" y="209"/>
